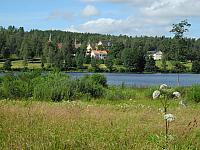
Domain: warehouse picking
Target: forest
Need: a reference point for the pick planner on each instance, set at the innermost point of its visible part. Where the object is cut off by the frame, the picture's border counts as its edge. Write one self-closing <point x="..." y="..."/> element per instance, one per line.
<point x="127" y="53"/>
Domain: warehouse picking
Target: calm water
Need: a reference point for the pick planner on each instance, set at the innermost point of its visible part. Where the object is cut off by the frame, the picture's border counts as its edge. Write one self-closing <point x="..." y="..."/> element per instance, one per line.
<point x="147" y="79"/>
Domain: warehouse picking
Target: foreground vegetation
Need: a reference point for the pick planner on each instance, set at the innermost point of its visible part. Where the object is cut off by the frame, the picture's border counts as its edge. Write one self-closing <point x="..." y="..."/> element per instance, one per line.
<point x="129" y="124"/>
<point x="54" y="111"/>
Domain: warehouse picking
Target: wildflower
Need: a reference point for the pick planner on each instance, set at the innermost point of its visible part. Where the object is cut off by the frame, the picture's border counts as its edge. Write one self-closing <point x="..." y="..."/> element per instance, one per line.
<point x="163" y="86"/>
<point x="156" y="94"/>
<point x="177" y="94"/>
<point x="169" y="117"/>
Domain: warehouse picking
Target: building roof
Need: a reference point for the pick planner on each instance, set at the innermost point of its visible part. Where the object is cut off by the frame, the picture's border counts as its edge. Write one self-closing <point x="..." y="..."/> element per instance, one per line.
<point x="100" y="52"/>
<point x="105" y="43"/>
<point x="59" y="45"/>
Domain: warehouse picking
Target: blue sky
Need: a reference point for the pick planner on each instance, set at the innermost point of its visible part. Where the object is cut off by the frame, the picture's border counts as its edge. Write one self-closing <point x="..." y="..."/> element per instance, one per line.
<point x="130" y="17"/>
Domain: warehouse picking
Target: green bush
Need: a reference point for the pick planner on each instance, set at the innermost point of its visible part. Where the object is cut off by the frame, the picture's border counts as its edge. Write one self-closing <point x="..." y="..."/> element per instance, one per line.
<point x="55" y="87"/>
<point x="87" y="85"/>
<point x="52" y="86"/>
<point x="116" y="93"/>
<point x="194" y="93"/>
<point x="11" y="87"/>
<point x="99" y="79"/>
<point x="196" y="66"/>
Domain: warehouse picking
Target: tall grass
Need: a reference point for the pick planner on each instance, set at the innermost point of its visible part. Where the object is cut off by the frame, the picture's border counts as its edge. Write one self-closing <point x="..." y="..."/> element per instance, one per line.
<point x="193" y="93"/>
<point x="76" y="125"/>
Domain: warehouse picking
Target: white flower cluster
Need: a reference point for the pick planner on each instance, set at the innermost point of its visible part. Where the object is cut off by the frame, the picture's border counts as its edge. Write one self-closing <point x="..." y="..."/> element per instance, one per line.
<point x="163" y="86"/>
<point x="169" y="117"/>
<point x="177" y="94"/>
<point x="157" y="93"/>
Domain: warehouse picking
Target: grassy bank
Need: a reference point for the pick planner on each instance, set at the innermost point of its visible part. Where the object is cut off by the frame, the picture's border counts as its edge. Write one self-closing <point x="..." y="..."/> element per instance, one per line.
<point x="136" y="124"/>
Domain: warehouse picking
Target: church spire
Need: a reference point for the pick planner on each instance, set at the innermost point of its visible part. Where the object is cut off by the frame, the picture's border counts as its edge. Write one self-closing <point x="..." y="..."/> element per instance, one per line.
<point x="50" y="38"/>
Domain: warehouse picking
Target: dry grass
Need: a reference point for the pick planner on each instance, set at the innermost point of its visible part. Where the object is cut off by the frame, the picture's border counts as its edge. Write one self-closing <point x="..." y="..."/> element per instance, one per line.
<point x="81" y="125"/>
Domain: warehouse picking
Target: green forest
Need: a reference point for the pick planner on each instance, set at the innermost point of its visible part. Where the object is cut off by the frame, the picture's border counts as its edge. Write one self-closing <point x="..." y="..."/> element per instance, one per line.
<point x="38" y="49"/>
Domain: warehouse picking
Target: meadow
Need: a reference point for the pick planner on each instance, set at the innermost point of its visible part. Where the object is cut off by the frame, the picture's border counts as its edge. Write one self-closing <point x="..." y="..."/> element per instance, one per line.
<point x="115" y="118"/>
<point x="90" y="125"/>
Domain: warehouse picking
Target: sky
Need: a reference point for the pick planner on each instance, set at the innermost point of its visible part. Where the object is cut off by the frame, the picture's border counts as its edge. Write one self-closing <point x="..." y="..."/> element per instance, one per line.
<point x="126" y="17"/>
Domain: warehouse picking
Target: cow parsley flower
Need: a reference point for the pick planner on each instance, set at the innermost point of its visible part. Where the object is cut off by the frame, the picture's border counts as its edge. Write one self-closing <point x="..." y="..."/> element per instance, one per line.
<point x="163" y="86"/>
<point x="177" y="94"/>
<point x="156" y="94"/>
<point x="169" y="117"/>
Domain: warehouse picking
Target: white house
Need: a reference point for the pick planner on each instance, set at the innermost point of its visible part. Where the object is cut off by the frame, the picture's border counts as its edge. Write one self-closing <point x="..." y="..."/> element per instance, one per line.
<point x="157" y="55"/>
<point x="89" y="49"/>
<point x="99" y="54"/>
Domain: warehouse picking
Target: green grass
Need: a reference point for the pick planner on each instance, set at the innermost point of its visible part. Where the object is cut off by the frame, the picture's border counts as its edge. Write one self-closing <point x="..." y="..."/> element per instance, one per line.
<point x="96" y="124"/>
<point x="18" y="64"/>
<point x="170" y="66"/>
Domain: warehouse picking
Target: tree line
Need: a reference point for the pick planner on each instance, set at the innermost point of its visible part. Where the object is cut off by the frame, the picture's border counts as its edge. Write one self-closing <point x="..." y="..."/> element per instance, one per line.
<point x="127" y="51"/>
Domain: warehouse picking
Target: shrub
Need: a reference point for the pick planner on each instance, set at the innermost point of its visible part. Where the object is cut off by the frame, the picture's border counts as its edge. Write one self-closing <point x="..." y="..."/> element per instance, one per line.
<point x="99" y="79"/>
<point x="52" y="86"/>
<point x="119" y="94"/>
<point x="194" y="93"/>
<point x="87" y="85"/>
<point x="55" y="87"/>
<point x="196" y="66"/>
<point x="7" y="65"/>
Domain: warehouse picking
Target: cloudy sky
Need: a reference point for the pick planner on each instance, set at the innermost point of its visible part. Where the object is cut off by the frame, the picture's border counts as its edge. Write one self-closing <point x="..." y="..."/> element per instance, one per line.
<point x="130" y="17"/>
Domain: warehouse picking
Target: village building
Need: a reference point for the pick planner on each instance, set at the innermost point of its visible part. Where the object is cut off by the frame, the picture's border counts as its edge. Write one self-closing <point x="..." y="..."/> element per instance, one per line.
<point x="99" y="54"/>
<point x="157" y="55"/>
<point x="89" y="48"/>
<point x="104" y="44"/>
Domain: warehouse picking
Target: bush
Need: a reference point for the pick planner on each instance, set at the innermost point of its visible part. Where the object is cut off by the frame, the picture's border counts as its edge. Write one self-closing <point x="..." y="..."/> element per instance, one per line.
<point x="55" y="87"/>
<point x="87" y="85"/>
<point x="52" y="86"/>
<point x="7" y="65"/>
<point x="196" y="66"/>
<point x="194" y="93"/>
<point x="18" y="86"/>
<point x="119" y="94"/>
<point x="99" y="79"/>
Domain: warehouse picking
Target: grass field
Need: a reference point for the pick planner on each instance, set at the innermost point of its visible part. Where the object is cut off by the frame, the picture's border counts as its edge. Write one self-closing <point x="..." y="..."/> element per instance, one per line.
<point x="18" y="64"/>
<point x="97" y="124"/>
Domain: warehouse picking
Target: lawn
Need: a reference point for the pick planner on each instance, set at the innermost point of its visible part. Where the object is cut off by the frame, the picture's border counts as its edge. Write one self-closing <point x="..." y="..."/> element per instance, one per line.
<point x="96" y="124"/>
<point x="18" y="64"/>
<point x="188" y="65"/>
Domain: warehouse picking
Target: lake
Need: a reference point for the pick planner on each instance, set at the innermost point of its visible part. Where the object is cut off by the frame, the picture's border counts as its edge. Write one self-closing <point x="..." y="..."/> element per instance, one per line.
<point x="141" y="80"/>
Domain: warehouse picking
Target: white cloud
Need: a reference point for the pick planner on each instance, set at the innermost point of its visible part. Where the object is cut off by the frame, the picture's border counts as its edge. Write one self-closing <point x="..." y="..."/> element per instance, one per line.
<point x="89" y="11"/>
<point x="153" y="17"/>
<point x="129" y="26"/>
<point x="173" y="8"/>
